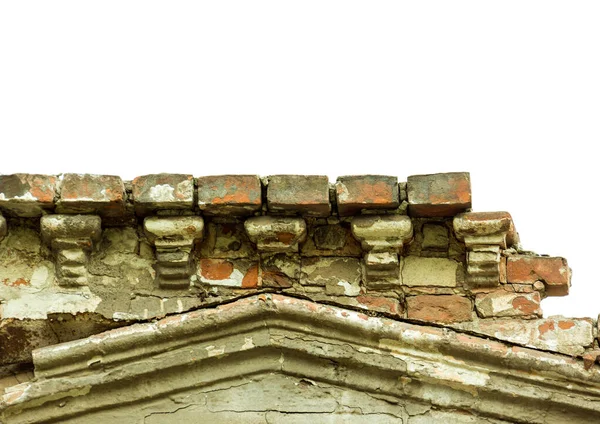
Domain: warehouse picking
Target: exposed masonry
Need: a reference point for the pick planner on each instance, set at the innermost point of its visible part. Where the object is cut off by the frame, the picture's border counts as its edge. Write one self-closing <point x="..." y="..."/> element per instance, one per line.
<point x="282" y="299"/>
<point x="84" y="253"/>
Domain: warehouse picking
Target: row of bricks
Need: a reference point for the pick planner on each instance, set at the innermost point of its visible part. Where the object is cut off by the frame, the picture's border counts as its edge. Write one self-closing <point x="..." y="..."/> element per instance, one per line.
<point x="29" y="195"/>
<point x="550" y="274"/>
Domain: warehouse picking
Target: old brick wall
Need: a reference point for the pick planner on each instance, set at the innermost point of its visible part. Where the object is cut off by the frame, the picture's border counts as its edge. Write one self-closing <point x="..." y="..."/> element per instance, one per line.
<point x="81" y="254"/>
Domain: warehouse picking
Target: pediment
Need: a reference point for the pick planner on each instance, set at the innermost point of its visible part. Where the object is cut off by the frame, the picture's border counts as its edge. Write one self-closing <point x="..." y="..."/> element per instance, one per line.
<point x="300" y="350"/>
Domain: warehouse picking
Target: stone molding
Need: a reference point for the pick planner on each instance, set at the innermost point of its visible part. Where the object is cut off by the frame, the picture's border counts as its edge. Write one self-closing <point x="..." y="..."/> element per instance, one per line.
<point x="278" y="334"/>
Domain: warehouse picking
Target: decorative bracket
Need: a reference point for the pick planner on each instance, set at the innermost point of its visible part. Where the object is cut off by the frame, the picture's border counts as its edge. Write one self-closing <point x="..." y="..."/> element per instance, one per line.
<point x="485" y="234"/>
<point x="276" y="234"/>
<point x="382" y="238"/>
<point x="71" y="238"/>
<point x="173" y="237"/>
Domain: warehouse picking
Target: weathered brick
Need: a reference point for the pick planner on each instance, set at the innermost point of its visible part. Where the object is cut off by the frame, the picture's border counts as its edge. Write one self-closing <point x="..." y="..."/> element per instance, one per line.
<point x="279" y="270"/>
<point x="303" y="194"/>
<point x="226" y="240"/>
<point x="387" y="305"/>
<point x="340" y="276"/>
<point x="331" y="240"/>
<point x="380" y="304"/>
<point x="435" y="237"/>
<point x="330" y="237"/>
<point x="239" y="273"/>
<point x="163" y="191"/>
<point x="229" y="194"/>
<point x="553" y="272"/>
<point x="441" y="308"/>
<point x="439" y="194"/>
<point x="590" y="358"/>
<point x="356" y="192"/>
<point x="558" y="334"/>
<point x="501" y="303"/>
<point x="437" y="272"/>
<point x="27" y="195"/>
<point x="86" y="193"/>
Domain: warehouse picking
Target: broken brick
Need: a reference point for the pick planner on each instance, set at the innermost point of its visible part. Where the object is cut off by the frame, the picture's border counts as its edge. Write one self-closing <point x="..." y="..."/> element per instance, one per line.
<point x="553" y="272"/>
<point x="27" y="195"/>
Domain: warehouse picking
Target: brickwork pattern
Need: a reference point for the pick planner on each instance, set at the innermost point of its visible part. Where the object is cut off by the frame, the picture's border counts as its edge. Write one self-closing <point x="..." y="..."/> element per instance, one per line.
<point x="167" y="243"/>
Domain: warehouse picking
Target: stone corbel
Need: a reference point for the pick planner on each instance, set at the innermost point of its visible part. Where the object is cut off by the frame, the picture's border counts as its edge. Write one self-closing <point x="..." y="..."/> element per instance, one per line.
<point x="276" y="234"/>
<point x="382" y="238"/>
<point x="485" y="234"/>
<point x="3" y="227"/>
<point x="71" y="238"/>
<point x="173" y="238"/>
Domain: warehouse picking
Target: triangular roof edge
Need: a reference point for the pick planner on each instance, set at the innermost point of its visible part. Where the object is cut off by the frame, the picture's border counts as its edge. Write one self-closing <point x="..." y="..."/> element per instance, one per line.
<point x="276" y="332"/>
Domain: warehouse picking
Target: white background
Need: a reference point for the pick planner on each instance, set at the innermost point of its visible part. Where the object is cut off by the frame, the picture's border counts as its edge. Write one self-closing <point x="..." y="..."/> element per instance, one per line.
<point x="509" y="91"/>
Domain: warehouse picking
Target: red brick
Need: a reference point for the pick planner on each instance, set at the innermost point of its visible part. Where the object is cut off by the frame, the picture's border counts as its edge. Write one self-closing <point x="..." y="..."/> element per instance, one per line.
<point x="590" y="358"/>
<point x="250" y="280"/>
<point x="229" y="194"/>
<point x="380" y="304"/>
<point x="236" y="273"/>
<point x="502" y="303"/>
<point x="27" y="195"/>
<point x="303" y="194"/>
<point x="439" y="308"/>
<point x="439" y="194"/>
<point x="86" y="193"/>
<point x="356" y="192"/>
<point x="163" y="191"/>
<point x="216" y="269"/>
<point x="553" y="272"/>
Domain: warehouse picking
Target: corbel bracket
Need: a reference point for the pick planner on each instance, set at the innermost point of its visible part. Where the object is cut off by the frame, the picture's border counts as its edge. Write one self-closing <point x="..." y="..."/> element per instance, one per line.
<point x="173" y="238"/>
<point x="382" y="238"/>
<point x="276" y="234"/>
<point x="71" y="238"/>
<point x="485" y="234"/>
